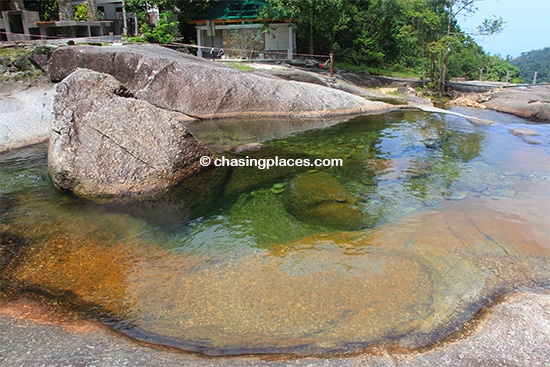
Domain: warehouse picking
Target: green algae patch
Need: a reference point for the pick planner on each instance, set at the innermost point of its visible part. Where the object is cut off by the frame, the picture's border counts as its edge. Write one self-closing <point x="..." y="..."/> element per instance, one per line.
<point x="318" y="198"/>
<point x="278" y="188"/>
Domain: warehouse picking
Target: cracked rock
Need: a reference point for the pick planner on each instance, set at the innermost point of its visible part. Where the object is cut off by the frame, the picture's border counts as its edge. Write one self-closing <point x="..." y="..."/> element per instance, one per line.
<point x="105" y="143"/>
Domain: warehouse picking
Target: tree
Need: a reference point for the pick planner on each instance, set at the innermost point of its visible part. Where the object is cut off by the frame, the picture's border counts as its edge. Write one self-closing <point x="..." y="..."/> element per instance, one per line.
<point x="421" y="32"/>
<point x="314" y="17"/>
<point x="534" y="61"/>
<point x="449" y="41"/>
<point x="189" y="10"/>
<point x="48" y="9"/>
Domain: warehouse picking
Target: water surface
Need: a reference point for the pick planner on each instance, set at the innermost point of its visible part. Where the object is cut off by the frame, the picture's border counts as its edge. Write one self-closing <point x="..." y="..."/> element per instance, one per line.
<point x="450" y="215"/>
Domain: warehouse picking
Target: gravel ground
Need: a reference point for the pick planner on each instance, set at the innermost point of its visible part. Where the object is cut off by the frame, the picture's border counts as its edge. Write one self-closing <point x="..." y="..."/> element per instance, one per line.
<point x="515" y="332"/>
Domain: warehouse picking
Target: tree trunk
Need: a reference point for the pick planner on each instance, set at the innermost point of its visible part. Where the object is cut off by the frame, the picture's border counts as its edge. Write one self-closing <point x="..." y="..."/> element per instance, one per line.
<point x="311" y="48"/>
<point x="65" y="10"/>
<point x="445" y="58"/>
<point x="443" y="76"/>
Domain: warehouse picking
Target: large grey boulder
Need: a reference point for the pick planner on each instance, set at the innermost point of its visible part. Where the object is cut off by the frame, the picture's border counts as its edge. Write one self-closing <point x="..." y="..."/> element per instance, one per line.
<point x="206" y="89"/>
<point x="105" y="143"/>
<point x="531" y="102"/>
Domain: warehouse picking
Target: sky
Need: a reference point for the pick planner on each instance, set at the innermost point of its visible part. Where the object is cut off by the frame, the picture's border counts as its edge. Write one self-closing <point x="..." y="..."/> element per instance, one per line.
<point x="527" y="25"/>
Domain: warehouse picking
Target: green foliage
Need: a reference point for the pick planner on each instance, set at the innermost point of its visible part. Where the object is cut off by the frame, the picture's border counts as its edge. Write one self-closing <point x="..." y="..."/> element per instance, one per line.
<point x="315" y="20"/>
<point x="534" y="61"/>
<point x="497" y="69"/>
<point x="419" y="35"/>
<point x="240" y="66"/>
<point x="397" y="70"/>
<point x="190" y="10"/>
<point x="491" y="26"/>
<point x="80" y="12"/>
<point x="163" y="32"/>
<point x="48" y="9"/>
<point x="412" y="37"/>
<point x="186" y="10"/>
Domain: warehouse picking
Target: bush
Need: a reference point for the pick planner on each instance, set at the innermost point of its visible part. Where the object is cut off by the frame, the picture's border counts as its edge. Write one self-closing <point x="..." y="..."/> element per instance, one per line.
<point x="163" y="32"/>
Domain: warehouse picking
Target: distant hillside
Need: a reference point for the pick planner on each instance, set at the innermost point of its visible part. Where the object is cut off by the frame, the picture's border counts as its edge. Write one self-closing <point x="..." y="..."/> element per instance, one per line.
<point x="536" y="60"/>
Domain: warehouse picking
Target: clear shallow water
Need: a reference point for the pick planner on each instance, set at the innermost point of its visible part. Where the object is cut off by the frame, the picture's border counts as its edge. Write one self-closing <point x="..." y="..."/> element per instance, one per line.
<point x="450" y="215"/>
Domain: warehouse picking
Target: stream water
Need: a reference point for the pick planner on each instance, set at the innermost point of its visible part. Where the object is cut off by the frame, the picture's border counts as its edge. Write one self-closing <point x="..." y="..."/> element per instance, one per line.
<point x="428" y="219"/>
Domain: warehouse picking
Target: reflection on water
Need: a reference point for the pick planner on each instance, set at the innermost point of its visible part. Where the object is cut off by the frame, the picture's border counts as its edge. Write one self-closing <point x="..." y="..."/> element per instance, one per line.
<point x="450" y="215"/>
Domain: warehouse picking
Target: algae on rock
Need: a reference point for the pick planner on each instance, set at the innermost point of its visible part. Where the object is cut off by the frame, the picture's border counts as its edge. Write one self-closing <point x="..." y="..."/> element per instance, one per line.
<point x="318" y="198"/>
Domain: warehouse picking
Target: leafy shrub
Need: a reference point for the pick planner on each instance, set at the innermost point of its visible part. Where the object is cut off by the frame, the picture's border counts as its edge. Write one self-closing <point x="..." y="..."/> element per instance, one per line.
<point x="163" y="32"/>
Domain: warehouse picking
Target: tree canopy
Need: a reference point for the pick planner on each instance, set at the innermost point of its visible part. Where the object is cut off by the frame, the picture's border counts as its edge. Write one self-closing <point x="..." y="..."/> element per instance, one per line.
<point x="534" y="61"/>
<point x="420" y="35"/>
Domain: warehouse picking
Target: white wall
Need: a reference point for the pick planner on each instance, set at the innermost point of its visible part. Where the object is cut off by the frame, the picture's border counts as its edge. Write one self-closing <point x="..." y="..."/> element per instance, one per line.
<point x="278" y="37"/>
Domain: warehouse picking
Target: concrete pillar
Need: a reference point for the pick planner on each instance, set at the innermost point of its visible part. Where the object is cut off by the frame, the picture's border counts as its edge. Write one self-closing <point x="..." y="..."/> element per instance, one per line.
<point x="65" y="10"/>
<point x="124" y="19"/>
<point x="290" y="54"/>
<point x="91" y="11"/>
<point x="199" y="43"/>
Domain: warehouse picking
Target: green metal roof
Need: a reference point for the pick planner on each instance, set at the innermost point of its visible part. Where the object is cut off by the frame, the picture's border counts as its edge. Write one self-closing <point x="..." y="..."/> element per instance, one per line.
<point x="234" y="9"/>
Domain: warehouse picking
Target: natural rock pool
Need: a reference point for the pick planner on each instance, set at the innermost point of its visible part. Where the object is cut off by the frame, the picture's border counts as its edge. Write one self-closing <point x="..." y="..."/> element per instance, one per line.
<point x="428" y="219"/>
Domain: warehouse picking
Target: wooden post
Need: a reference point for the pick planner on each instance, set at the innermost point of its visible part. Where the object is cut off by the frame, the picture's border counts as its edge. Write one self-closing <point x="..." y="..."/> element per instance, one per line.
<point x="535" y="77"/>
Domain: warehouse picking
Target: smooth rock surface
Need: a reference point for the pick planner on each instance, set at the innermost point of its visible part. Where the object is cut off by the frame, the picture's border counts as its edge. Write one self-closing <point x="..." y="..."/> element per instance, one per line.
<point x="104" y="143"/>
<point x="531" y="102"/>
<point x="25" y="114"/>
<point x="513" y="333"/>
<point x="206" y="89"/>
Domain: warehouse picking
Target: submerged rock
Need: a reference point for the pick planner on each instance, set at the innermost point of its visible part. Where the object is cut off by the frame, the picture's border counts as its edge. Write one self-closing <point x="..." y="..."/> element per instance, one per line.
<point x="197" y="87"/>
<point x="248" y="147"/>
<point x="318" y="198"/>
<point x="105" y="143"/>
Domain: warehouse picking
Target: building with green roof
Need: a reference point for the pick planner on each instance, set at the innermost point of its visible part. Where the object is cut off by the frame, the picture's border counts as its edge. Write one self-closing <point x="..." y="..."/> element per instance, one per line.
<point x="231" y="29"/>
